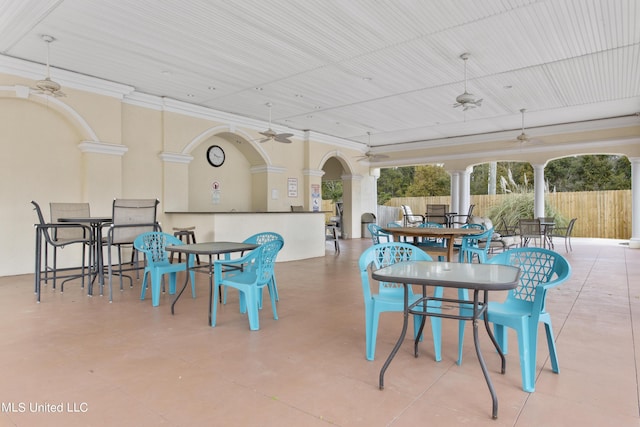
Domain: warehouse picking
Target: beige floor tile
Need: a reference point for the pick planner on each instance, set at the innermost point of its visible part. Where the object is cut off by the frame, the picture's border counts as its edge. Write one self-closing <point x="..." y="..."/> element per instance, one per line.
<point x="131" y="364"/>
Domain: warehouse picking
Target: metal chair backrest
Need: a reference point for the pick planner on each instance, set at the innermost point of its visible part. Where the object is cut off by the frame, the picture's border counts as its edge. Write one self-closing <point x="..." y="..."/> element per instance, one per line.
<point x="410" y="218"/>
<point x="132" y="217"/>
<point x="437" y="213"/>
<point x="530" y="228"/>
<point x="68" y="210"/>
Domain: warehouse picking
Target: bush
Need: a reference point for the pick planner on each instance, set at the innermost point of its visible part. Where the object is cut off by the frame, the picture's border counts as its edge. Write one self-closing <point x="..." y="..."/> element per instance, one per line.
<point x="518" y="206"/>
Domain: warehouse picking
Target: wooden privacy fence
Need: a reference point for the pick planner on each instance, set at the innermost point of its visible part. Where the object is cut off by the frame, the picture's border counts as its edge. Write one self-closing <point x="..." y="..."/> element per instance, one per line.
<point x="601" y="214"/>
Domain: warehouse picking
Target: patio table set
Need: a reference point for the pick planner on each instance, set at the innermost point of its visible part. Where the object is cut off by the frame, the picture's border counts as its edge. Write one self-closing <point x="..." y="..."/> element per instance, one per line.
<point x="526" y="273"/>
<point x="133" y="224"/>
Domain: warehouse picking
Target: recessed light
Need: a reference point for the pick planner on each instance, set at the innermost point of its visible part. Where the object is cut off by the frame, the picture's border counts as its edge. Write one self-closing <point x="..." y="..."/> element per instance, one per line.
<point x="211" y="88"/>
<point x="317" y="107"/>
<point x="165" y="72"/>
<point x="258" y="88"/>
<point x="297" y="95"/>
<point x="507" y="87"/>
<point x="191" y="95"/>
<point x="367" y="79"/>
<point x="309" y="116"/>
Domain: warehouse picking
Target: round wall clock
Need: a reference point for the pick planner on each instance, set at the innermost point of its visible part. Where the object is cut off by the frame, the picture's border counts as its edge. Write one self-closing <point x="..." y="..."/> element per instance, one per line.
<point x="215" y="156"/>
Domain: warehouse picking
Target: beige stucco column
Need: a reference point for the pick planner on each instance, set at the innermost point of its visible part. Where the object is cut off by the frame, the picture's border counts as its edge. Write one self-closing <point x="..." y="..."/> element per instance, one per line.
<point x="102" y="173"/>
<point x="352" y="208"/>
<point x="266" y="188"/>
<point x="175" y="173"/>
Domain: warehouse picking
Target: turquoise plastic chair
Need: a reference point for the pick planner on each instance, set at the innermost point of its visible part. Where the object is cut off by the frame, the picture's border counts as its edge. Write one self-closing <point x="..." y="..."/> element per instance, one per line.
<point x="259" y="239"/>
<point x="396" y="225"/>
<point x="430" y="241"/>
<point x="153" y="244"/>
<point x="390" y="296"/>
<point x="471" y="246"/>
<point x="541" y="270"/>
<point x="252" y="273"/>
<point x="377" y="233"/>
<point x="475" y="245"/>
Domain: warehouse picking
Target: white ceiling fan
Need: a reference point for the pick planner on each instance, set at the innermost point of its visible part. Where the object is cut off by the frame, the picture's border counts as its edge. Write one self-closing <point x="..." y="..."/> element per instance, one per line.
<point x="523" y="137"/>
<point x="466" y="100"/>
<point x="48" y="86"/>
<point x="369" y="156"/>
<point x="271" y="135"/>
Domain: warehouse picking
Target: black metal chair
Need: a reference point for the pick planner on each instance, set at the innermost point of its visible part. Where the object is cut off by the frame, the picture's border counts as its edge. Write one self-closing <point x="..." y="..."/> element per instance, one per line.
<point x="565" y="233"/>
<point x="58" y="236"/>
<point x="530" y="230"/>
<point x="131" y="217"/>
<point x="462" y="219"/>
<point x="437" y="213"/>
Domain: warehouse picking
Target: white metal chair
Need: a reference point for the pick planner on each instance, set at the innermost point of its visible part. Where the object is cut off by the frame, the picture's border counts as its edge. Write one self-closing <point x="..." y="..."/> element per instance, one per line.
<point x="411" y="219"/>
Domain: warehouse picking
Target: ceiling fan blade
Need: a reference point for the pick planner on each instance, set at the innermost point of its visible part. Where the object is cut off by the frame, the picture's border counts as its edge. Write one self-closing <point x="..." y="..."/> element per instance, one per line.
<point x="283" y="138"/>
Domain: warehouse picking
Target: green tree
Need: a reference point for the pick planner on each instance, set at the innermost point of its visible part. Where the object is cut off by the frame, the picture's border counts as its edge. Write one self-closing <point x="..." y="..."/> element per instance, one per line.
<point x="332" y="190"/>
<point x="429" y="181"/>
<point x="393" y="182"/>
<point x="479" y="179"/>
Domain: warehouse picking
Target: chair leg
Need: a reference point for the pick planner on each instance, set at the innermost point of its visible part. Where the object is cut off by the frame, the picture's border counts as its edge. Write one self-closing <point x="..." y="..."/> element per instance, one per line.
<point x="172" y="283"/>
<point x="272" y="295"/>
<point x="143" y="290"/>
<point x="156" y="280"/>
<point x="553" y="355"/>
<point x="192" y="274"/>
<point x="372" y="333"/>
<point x="251" y="298"/>
<point x="527" y="347"/>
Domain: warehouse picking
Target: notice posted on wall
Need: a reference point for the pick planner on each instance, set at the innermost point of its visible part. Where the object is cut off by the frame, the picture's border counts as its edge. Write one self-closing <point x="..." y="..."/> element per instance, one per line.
<point x="315" y="197"/>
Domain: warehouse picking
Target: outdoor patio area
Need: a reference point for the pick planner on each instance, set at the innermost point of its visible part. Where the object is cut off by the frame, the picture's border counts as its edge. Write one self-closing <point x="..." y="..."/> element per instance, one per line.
<point x="131" y="364"/>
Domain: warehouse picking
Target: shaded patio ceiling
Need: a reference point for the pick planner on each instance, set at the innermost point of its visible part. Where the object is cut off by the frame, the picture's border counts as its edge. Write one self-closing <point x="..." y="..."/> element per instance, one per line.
<point x="345" y="68"/>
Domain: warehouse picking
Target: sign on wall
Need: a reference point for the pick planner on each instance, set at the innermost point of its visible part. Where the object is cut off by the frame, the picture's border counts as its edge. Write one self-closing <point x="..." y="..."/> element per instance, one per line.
<point x="315" y="197"/>
<point x="292" y="185"/>
<point x="215" y="193"/>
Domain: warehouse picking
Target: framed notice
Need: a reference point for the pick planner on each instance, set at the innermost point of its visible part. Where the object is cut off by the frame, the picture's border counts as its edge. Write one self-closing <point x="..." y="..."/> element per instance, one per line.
<point x="292" y="187"/>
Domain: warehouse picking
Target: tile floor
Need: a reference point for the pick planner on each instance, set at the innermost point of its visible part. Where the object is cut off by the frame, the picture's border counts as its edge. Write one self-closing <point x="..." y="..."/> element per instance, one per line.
<point x="130" y="364"/>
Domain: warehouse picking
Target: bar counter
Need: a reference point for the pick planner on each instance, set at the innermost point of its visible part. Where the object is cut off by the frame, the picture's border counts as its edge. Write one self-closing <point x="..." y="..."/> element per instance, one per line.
<point x="303" y="232"/>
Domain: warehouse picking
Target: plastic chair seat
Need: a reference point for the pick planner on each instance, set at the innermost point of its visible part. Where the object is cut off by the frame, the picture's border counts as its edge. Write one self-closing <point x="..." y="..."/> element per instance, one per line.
<point x="256" y="273"/>
<point x="153" y="245"/>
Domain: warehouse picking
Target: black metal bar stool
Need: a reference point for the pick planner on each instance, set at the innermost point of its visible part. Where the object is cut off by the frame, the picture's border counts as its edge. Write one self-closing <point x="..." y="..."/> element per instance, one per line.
<point x="186" y="235"/>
